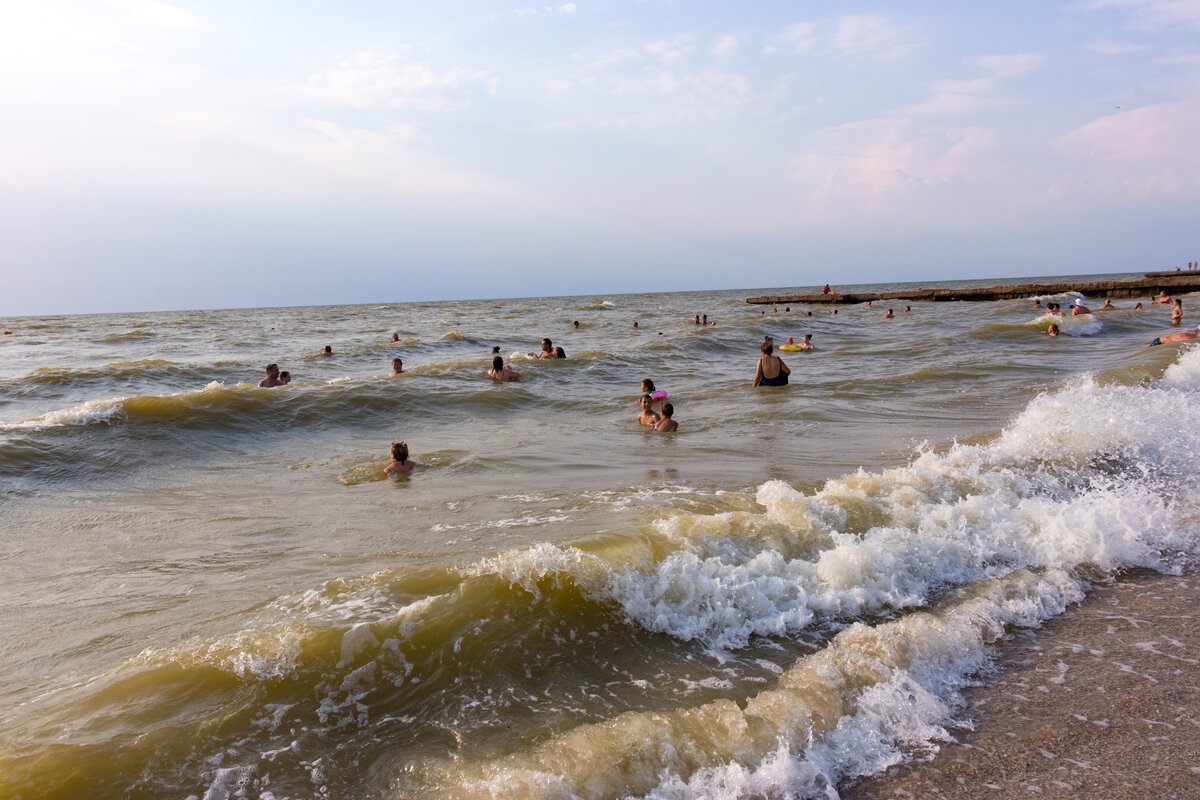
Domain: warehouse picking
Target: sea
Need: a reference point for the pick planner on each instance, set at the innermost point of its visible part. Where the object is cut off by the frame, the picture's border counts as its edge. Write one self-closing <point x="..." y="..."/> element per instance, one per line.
<point x="210" y="590"/>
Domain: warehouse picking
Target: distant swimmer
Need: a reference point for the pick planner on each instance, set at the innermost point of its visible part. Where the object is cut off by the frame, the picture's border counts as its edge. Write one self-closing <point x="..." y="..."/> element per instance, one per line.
<point x="397" y="366"/>
<point x="501" y="371"/>
<point x="770" y="370"/>
<point x="666" y="424"/>
<point x="1181" y="336"/>
<point x="1052" y="330"/>
<point x="328" y="351"/>
<point x="1037" y="302"/>
<point x="395" y="337"/>
<point x="1163" y="298"/>
<point x="889" y="315"/>
<point x="272" y="378"/>
<point x="1107" y="304"/>
<point x="635" y="325"/>
<point x="1177" y="312"/>
<point x="648" y="416"/>
<point x="495" y="349"/>
<point x="806" y="342"/>
<point x="908" y="308"/>
<point x="1138" y="307"/>
<point x="1080" y="309"/>
<point x="704" y="319"/>
<point x="560" y="353"/>
<point x="400" y="460"/>
<point x="1053" y="310"/>
<point x="547" y="350"/>
<point x="285" y="377"/>
<point x="697" y="320"/>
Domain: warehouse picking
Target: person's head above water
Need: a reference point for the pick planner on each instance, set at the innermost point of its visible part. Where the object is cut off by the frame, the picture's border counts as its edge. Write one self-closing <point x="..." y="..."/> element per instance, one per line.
<point x="400" y="451"/>
<point x="272" y="370"/>
<point x="648" y="386"/>
<point x="397" y="366"/>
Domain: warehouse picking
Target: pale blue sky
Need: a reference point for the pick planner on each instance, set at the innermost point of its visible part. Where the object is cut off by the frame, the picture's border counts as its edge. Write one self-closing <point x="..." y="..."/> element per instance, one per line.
<point x="224" y="154"/>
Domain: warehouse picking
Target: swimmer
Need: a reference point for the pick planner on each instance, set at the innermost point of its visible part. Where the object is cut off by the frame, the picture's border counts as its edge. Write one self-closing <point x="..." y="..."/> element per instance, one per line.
<point x="770" y="370"/>
<point x="666" y="424"/>
<point x="576" y="324"/>
<point x="635" y="326"/>
<point x="1107" y="304"/>
<point x="1080" y="309"/>
<point x="328" y="351"/>
<point x="400" y="461"/>
<point x="908" y="308"/>
<point x="495" y="349"/>
<point x="1037" y="302"/>
<point x="697" y="320"/>
<point x="1163" y="298"/>
<point x="560" y="353"/>
<point x="285" y="378"/>
<point x="1177" y="312"/>
<point x="501" y="371"/>
<point x="397" y="366"/>
<point x="395" y="337"/>
<point x="272" y="378"/>
<point x="704" y="319"/>
<point x="1176" y="337"/>
<point x="889" y="315"/>
<point x="648" y="416"/>
<point x="547" y="350"/>
<point x="1138" y="307"/>
<point x="1052" y="330"/>
<point x="806" y="342"/>
<point x="648" y="390"/>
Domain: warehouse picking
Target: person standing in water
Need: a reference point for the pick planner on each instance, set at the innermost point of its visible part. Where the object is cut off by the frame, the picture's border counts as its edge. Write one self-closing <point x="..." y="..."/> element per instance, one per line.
<point x="1177" y="312"/>
<point x="770" y="371"/>
<point x="272" y="378"/>
<point x="648" y="416"/>
<point x="501" y="371"/>
<point x="400" y="461"/>
<point x="666" y="424"/>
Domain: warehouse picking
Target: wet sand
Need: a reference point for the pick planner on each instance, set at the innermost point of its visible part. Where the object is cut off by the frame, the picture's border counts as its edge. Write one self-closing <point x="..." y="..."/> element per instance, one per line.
<point x="1103" y="702"/>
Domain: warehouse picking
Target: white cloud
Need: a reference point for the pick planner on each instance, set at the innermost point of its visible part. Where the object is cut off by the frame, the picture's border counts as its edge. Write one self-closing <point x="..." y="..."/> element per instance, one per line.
<point x="1115" y="48"/>
<point x="565" y="10"/>
<point x="671" y="49"/>
<point x="154" y="13"/>
<point x="1153" y="14"/>
<point x="379" y="80"/>
<point x="871" y="34"/>
<point x="957" y="97"/>
<point x="799" y="37"/>
<point x="727" y="45"/>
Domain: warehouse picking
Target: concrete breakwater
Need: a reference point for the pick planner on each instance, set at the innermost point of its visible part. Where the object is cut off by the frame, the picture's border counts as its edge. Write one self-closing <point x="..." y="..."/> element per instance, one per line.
<point x="1150" y="286"/>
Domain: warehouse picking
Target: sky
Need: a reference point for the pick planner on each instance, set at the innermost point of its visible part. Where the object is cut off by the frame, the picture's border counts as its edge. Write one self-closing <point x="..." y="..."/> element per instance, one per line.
<point x="224" y="154"/>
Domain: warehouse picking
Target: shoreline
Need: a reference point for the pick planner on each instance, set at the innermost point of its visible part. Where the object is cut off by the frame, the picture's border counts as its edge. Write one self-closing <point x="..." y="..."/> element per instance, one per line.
<point x="1103" y="700"/>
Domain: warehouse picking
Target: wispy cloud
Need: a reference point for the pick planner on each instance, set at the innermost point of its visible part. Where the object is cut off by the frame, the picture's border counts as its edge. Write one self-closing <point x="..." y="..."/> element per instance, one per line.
<point x="382" y="80"/>
<point x="955" y="97"/>
<point x="862" y="35"/>
<point x="1114" y="48"/>
<point x="564" y="10"/>
<point x="727" y="45"/>
<point x="1152" y="14"/>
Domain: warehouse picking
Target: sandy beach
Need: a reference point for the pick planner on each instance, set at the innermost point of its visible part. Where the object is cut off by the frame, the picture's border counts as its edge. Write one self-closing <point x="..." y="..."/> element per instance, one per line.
<point x="1101" y="702"/>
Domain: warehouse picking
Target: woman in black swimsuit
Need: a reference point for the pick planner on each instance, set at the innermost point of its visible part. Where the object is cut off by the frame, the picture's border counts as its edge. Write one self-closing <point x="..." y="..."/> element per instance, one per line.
<point x="771" y="371"/>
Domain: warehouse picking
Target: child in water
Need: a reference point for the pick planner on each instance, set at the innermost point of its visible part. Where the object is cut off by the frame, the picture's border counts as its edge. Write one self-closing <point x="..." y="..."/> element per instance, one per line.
<point x="648" y="416"/>
<point x="400" y="462"/>
<point x="666" y="424"/>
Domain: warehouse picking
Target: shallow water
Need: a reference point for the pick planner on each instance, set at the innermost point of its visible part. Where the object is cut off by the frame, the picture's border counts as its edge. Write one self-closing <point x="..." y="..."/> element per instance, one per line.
<point x="211" y="592"/>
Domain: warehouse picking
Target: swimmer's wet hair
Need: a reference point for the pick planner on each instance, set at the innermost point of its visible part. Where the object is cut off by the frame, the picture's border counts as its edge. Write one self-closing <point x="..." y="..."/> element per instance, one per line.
<point x="668" y="410"/>
<point x="649" y="384"/>
<point x="400" y="451"/>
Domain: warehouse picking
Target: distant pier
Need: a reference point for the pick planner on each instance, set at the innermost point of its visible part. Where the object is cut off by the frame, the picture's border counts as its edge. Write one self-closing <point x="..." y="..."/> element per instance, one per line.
<point x="1149" y="286"/>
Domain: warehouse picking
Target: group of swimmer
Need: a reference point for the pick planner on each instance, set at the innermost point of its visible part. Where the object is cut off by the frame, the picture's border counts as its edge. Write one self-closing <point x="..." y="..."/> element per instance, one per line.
<point x="1079" y="309"/>
<point x="656" y="411"/>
